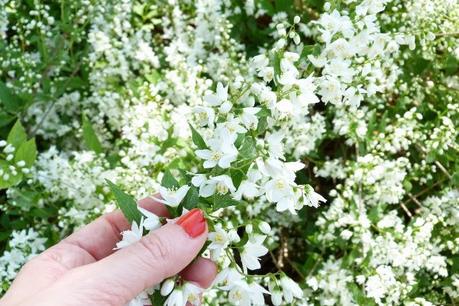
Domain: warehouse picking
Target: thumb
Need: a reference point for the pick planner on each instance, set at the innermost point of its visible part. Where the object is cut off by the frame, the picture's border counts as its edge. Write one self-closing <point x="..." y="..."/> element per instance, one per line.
<point x="158" y="255"/>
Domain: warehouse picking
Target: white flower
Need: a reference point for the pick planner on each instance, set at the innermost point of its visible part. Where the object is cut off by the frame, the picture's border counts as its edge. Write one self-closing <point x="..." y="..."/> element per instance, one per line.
<point x="145" y="53"/>
<point x="256" y="293"/>
<point x="176" y="298"/>
<point x="233" y="125"/>
<point x="172" y="197"/>
<point x="311" y="197"/>
<point x="253" y="249"/>
<point x="221" y="152"/>
<point x="198" y="180"/>
<point x="205" y="115"/>
<point x="331" y="90"/>
<point x="275" y="145"/>
<point x="131" y="236"/>
<point x="151" y="221"/>
<point x="276" y="297"/>
<point x="290" y="289"/>
<point x="275" y="168"/>
<point x="228" y="278"/>
<point x="220" y="238"/>
<point x="285" y="108"/>
<point x="219" y="97"/>
<point x="239" y="295"/>
<point x="248" y="117"/>
<point x="280" y="190"/>
<point x="346" y="234"/>
<point x="220" y="184"/>
<point x="247" y="189"/>
<point x="191" y="293"/>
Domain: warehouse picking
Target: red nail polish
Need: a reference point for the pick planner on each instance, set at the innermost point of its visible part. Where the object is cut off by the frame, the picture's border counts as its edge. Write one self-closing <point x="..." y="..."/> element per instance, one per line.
<point x="193" y="222"/>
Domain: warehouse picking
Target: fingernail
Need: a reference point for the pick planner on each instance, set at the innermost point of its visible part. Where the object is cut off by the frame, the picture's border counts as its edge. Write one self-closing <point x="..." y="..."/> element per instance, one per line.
<point x="193" y="222"/>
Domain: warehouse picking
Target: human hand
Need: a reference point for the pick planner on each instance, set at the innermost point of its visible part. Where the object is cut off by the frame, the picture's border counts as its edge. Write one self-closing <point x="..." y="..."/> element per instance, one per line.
<point x="84" y="269"/>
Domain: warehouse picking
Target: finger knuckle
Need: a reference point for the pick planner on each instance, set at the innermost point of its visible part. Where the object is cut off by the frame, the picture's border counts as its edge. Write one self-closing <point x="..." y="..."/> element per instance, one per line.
<point x="157" y="248"/>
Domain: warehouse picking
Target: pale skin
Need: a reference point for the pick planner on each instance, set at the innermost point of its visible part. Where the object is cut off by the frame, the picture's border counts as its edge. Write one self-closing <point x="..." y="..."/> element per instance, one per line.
<point x="84" y="269"/>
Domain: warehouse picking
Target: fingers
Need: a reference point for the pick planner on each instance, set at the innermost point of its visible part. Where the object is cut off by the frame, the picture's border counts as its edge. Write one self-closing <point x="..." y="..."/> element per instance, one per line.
<point x="158" y="255"/>
<point x="108" y="228"/>
<point x="89" y="244"/>
<point x="202" y="272"/>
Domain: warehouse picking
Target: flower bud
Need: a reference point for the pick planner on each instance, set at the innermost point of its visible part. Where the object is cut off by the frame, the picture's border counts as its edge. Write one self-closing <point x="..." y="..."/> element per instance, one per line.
<point x="264" y="227"/>
<point x="276" y="298"/>
<point x="167" y="286"/>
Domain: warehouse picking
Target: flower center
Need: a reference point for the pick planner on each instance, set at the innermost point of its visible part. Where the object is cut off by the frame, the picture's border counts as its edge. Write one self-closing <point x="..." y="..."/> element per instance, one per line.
<point x="280" y="184"/>
<point x="203" y="116"/>
<point x="219" y="238"/>
<point x="222" y="188"/>
<point x="216" y="156"/>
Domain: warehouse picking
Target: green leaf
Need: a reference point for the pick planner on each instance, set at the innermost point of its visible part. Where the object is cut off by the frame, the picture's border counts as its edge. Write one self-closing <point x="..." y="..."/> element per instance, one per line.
<point x="11" y="180"/>
<point x="197" y="139"/>
<point x="407" y="185"/>
<point x="191" y="199"/>
<point x="10" y="101"/>
<point x="126" y="203"/>
<point x="277" y="67"/>
<point x="248" y="148"/>
<point x="153" y="77"/>
<point x="262" y="125"/>
<point x="17" y="135"/>
<point x="27" y="152"/>
<point x="5" y="119"/>
<point x="169" y="180"/>
<point x="222" y="201"/>
<point x="237" y="176"/>
<point x="90" y="138"/>
<point x="157" y="299"/>
<point x="455" y="179"/>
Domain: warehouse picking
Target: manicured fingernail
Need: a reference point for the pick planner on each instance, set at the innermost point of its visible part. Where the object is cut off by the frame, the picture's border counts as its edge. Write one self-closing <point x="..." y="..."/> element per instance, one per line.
<point x="193" y="222"/>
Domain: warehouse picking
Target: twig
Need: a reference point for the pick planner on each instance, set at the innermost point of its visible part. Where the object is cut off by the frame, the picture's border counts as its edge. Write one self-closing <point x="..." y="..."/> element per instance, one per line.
<point x="406" y="210"/>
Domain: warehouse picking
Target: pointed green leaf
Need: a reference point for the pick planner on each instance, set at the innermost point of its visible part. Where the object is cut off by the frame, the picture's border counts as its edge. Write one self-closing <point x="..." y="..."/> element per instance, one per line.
<point x="27" y="152"/>
<point x="222" y="201"/>
<point x="197" y="139"/>
<point x="169" y="180"/>
<point x="126" y="203"/>
<point x="90" y="138"/>
<point x="10" y="100"/>
<point x="17" y="135"/>
<point x="191" y="199"/>
<point x="248" y="149"/>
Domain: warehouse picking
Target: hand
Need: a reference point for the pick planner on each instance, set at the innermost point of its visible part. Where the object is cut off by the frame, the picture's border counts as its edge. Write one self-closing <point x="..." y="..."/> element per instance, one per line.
<point x="83" y="269"/>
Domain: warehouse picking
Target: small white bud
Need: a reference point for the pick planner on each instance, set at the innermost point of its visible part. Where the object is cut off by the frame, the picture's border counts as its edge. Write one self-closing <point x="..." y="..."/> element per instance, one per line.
<point x="296" y="39"/>
<point x="296" y="19"/>
<point x="264" y="227"/>
<point x="249" y="228"/>
<point x="2" y="143"/>
<point x="167" y="286"/>
<point x="276" y="298"/>
<point x="21" y="163"/>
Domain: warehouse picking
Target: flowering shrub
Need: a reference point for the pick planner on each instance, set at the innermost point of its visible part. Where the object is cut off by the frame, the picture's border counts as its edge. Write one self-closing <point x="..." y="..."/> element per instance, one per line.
<point x="319" y="138"/>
